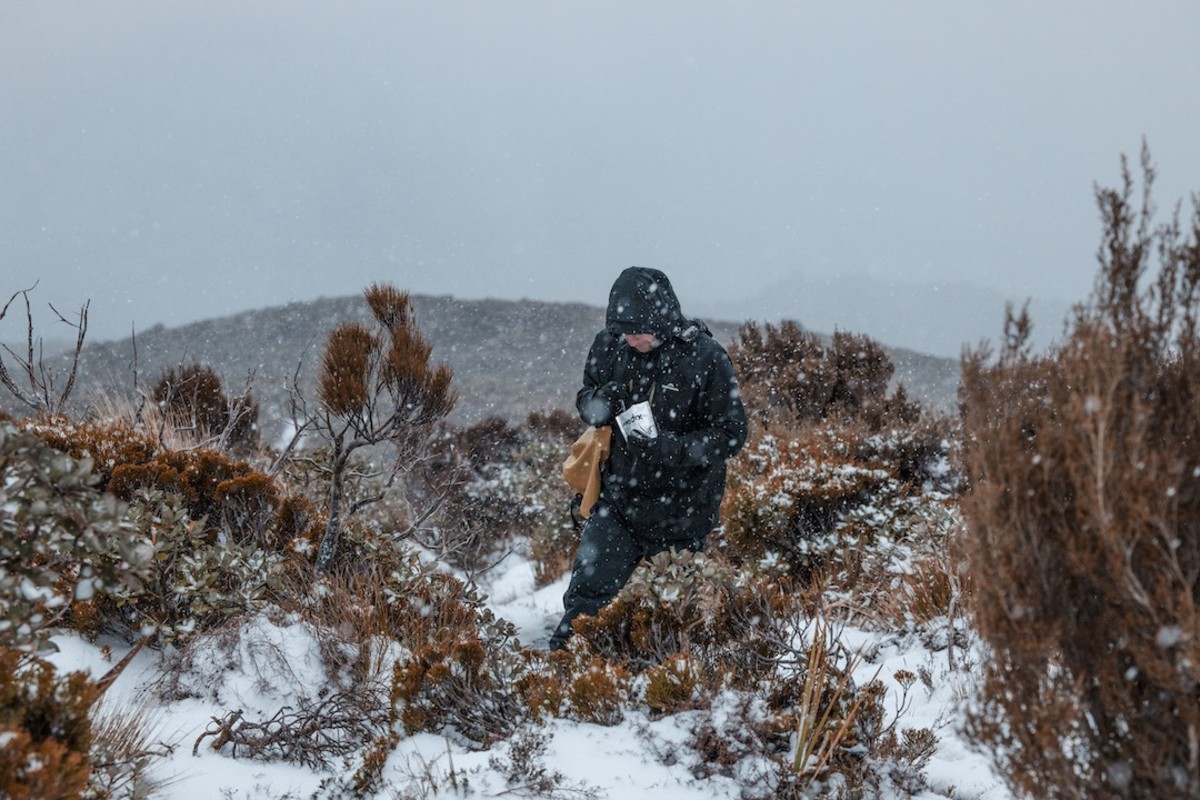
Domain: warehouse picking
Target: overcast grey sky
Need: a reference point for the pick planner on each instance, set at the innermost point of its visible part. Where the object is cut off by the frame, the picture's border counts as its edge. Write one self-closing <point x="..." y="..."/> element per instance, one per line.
<point x="179" y="160"/>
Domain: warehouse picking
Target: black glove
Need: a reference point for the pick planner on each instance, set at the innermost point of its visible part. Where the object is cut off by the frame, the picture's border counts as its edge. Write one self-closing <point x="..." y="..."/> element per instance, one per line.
<point x="614" y="393"/>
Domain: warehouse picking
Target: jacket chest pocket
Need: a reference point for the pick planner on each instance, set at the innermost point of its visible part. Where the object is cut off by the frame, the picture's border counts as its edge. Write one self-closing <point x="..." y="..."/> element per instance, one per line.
<point x="673" y="406"/>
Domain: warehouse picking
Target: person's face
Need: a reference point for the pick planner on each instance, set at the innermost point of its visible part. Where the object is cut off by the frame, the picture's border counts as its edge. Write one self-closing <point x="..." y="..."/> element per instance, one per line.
<point x="642" y="342"/>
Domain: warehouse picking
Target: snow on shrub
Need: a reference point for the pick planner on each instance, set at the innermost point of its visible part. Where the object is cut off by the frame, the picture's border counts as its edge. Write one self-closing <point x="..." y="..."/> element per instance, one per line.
<point x="811" y="505"/>
<point x="505" y="490"/>
<point x="61" y="540"/>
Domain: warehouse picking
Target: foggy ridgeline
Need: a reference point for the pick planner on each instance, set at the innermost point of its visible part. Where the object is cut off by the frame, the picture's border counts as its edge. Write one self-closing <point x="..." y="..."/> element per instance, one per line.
<point x="509" y="357"/>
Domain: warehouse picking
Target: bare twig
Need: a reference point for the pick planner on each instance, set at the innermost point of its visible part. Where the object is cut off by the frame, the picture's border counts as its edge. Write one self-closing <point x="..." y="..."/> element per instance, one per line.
<point x="311" y="735"/>
<point x="41" y="396"/>
<point x="300" y="418"/>
<point x="81" y="334"/>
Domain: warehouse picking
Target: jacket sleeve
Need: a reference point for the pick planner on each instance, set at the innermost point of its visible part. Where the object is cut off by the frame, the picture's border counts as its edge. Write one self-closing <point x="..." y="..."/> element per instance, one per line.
<point x="594" y="408"/>
<point x="722" y="429"/>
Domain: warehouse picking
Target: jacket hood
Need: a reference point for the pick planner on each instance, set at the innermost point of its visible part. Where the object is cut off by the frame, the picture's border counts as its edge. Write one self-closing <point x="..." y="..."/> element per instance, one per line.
<point x="643" y="301"/>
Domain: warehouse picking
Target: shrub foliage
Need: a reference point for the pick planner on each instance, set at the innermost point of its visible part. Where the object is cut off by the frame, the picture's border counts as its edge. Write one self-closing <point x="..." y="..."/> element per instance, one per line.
<point x="61" y="540"/>
<point x="1084" y="511"/>
<point x="788" y="375"/>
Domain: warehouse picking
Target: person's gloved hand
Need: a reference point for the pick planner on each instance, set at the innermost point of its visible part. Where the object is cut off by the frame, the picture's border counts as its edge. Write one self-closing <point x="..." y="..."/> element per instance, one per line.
<point x="605" y="402"/>
<point x="612" y="392"/>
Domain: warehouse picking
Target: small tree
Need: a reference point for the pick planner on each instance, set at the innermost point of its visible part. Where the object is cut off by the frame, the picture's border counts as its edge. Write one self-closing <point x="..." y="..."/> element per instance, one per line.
<point x="1084" y="513"/>
<point x="376" y="387"/>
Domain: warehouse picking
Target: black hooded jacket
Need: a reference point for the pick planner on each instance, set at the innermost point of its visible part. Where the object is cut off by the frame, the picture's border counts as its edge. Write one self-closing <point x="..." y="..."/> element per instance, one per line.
<point x="670" y="488"/>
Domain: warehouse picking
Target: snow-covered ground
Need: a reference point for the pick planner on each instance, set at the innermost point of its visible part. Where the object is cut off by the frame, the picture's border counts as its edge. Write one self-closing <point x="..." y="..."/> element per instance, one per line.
<point x="273" y="663"/>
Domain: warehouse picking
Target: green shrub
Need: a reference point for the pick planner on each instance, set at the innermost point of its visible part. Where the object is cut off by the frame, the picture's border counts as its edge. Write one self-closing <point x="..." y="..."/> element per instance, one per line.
<point x="61" y="540"/>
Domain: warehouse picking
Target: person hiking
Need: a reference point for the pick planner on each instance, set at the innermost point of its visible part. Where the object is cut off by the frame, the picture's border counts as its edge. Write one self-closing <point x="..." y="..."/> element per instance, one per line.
<point x="668" y="390"/>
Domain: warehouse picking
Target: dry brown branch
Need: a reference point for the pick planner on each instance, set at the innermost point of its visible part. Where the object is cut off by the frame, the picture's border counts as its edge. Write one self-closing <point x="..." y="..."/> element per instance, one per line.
<point x="311" y="735"/>
<point x="41" y="395"/>
<point x="111" y="676"/>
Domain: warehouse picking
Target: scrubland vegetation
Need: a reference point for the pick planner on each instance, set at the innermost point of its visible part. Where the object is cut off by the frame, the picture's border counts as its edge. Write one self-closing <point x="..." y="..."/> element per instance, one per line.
<point x="1044" y="540"/>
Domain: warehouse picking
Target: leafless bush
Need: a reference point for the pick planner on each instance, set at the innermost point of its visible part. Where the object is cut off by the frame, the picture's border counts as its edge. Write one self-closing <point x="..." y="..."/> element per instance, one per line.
<point x="524" y="770"/>
<point x="1083" y="513"/>
<point x="43" y="394"/>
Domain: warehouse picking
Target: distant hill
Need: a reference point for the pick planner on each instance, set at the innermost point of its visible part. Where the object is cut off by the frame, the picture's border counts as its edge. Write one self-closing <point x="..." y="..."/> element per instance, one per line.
<point x="939" y="319"/>
<point x="509" y="357"/>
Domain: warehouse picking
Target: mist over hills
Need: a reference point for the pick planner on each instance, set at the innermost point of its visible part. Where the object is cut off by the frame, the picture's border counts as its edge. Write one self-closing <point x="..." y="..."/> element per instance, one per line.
<point x="509" y="357"/>
<point x="939" y="319"/>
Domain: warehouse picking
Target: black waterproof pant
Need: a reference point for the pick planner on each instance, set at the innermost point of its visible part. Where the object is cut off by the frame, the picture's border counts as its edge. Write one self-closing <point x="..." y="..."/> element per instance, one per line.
<point x="609" y="551"/>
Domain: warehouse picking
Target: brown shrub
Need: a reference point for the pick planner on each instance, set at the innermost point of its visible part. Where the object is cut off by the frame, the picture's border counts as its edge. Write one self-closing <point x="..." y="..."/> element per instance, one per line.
<point x="674" y="685"/>
<point x="193" y="399"/>
<point x="598" y="693"/>
<point x="179" y="502"/>
<point x="786" y="494"/>
<point x="344" y="383"/>
<point x="503" y="487"/>
<point x="128" y="479"/>
<point x="388" y="305"/>
<point x="108" y="445"/>
<point x="1083" y="513"/>
<point x="489" y="441"/>
<point x="377" y="388"/>
<point x="556" y="425"/>
<point x="45" y="732"/>
<point x="790" y="376"/>
<point x="451" y="684"/>
<point x="926" y="593"/>
<point x="728" y="621"/>
<point x="128" y="461"/>
<point x="248" y="504"/>
<point x="297" y="521"/>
